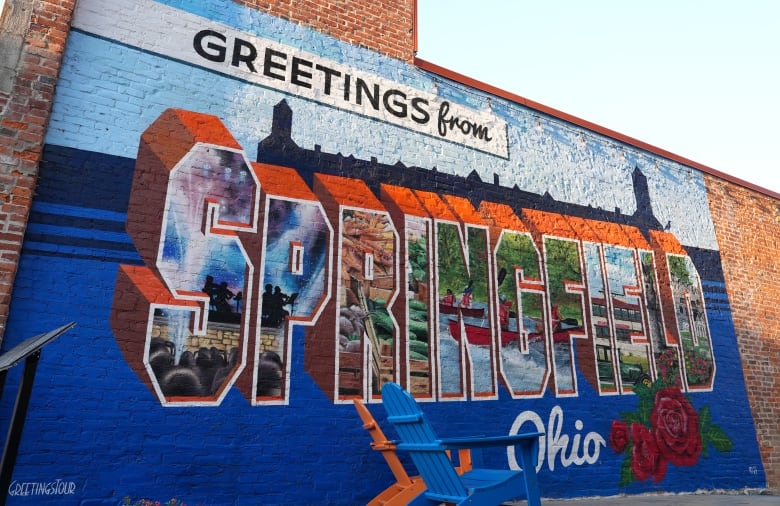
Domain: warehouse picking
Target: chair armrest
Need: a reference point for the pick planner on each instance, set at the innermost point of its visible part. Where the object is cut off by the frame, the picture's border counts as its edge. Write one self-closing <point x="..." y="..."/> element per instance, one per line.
<point x="488" y="441"/>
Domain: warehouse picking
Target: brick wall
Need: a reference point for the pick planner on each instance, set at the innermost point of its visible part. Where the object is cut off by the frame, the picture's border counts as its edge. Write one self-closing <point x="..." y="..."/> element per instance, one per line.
<point x="33" y="40"/>
<point x="746" y="222"/>
<point x="747" y="225"/>
<point x="385" y="27"/>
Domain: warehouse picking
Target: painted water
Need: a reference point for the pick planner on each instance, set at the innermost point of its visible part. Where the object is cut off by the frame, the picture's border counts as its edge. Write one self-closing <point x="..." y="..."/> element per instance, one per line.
<point x="525" y="372"/>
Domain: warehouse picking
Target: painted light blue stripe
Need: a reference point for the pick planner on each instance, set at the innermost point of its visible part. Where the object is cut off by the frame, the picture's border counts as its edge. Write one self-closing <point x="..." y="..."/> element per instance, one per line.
<point x="78" y="212"/>
<point x="30" y="247"/>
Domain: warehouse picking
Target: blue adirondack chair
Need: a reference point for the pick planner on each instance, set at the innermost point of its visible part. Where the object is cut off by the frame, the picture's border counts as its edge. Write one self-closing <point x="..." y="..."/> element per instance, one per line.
<point x="429" y="454"/>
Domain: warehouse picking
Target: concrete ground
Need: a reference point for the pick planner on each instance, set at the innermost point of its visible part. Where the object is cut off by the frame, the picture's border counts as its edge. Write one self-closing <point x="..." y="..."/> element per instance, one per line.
<point x="751" y="499"/>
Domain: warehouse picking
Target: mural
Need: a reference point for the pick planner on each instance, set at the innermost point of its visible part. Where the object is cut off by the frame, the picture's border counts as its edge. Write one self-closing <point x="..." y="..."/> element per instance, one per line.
<point x="263" y="224"/>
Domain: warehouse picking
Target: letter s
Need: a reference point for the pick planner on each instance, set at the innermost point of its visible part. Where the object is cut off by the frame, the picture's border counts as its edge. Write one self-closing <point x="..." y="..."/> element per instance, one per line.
<point x="193" y="192"/>
<point x="417" y="105"/>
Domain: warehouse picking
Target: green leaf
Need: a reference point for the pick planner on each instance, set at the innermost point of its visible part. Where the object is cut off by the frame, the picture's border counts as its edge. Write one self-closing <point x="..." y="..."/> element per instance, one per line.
<point x="630" y="417"/>
<point x="705" y="419"/>
<point x="626" y="473"/>
<point x="717" y="438"/>
<point x="645" y="408"/>
<point x="658" y="384"/>
<point x="643" y="391"/>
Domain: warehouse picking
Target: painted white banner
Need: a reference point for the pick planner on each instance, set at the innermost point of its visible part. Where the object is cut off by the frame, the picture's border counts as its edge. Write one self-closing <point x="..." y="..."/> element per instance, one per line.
<point x="176" y="34"/>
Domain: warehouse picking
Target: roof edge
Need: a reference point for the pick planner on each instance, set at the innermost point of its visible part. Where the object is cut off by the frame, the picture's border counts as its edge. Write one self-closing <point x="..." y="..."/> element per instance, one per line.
<point x="498" y="92"/>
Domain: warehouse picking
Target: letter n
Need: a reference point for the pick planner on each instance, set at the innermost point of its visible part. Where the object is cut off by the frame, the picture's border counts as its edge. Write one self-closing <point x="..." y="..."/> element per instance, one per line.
<point x="465" y="342"/>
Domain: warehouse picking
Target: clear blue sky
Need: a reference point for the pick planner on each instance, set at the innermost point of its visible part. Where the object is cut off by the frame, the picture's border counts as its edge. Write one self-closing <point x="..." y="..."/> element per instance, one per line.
<point x="698" y="78"/>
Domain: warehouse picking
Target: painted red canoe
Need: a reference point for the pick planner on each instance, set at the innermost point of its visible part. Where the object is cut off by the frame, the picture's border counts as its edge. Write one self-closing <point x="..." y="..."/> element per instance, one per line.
<point x="559" y="336"/>
<point x="480" y="335"/>
<point x="475" y="312"/>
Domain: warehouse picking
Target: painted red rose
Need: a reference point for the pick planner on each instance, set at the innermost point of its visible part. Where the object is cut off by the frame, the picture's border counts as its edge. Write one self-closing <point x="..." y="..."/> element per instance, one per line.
<point x="646" y="460"/>
<point x="676" y="427"/>
<point x="618" y="436"/>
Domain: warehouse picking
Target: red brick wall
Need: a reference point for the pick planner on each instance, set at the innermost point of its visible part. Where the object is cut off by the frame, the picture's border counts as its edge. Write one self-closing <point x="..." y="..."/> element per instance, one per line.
<point x="747" y="225"/>
<point x="24" y="114"/>
<point x="385" y="27"/>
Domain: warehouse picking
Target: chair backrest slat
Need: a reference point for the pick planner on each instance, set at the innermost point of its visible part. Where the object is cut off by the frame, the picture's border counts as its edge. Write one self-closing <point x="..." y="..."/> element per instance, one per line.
<point x="419" y="439"/>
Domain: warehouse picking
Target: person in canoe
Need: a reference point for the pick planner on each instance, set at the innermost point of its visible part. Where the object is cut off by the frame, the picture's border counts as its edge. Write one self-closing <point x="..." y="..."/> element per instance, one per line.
<point x="465" y="299"/>
<point x="560" y="323"/>
<point x="504" y="307"/>
<point x="449" y="298"/>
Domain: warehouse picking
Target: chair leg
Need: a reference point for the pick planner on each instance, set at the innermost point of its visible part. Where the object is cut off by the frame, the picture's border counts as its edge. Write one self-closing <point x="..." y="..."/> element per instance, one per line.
<point x="406" y="488"/>
<point x="528" y="454"/>
<point x="399" y="495"/>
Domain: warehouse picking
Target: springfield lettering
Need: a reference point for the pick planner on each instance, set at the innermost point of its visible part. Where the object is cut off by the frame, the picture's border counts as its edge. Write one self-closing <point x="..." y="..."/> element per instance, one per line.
<point x="250" y="58"/>
<point x="645" y="332"/>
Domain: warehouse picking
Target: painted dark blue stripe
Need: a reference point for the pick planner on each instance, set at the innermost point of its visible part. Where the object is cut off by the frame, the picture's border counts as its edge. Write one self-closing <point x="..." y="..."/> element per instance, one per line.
<point x="84" y="179"/>
<point x="59" y="220"/>
<point x="80" y="207"/>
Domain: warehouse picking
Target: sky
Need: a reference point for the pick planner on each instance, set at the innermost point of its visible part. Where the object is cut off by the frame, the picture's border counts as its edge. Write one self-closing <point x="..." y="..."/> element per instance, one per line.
<point x="697" y="78"/>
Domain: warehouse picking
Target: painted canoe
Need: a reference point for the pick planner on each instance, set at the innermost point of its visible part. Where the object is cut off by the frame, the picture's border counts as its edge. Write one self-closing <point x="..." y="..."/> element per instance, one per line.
<point x="475" y="312"/>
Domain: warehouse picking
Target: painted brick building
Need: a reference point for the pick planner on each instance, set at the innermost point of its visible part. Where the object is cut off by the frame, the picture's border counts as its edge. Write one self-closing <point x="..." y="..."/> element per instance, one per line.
<point x="257" y="212"/>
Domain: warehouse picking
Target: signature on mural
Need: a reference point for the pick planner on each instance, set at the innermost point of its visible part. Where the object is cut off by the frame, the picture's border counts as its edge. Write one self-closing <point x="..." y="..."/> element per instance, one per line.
<point x="32" y="488"/>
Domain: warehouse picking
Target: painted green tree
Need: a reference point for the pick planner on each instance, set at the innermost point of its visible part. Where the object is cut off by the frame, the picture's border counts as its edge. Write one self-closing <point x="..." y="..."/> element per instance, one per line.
<point x="678" y="267"/>
<point x="517" y="250"/>
<point x="453" y="272"/>
<point x="563" y="264"/>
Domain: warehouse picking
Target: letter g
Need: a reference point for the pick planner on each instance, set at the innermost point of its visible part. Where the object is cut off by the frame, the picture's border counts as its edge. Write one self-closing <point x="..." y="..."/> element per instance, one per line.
<point x="219" y="49"/>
